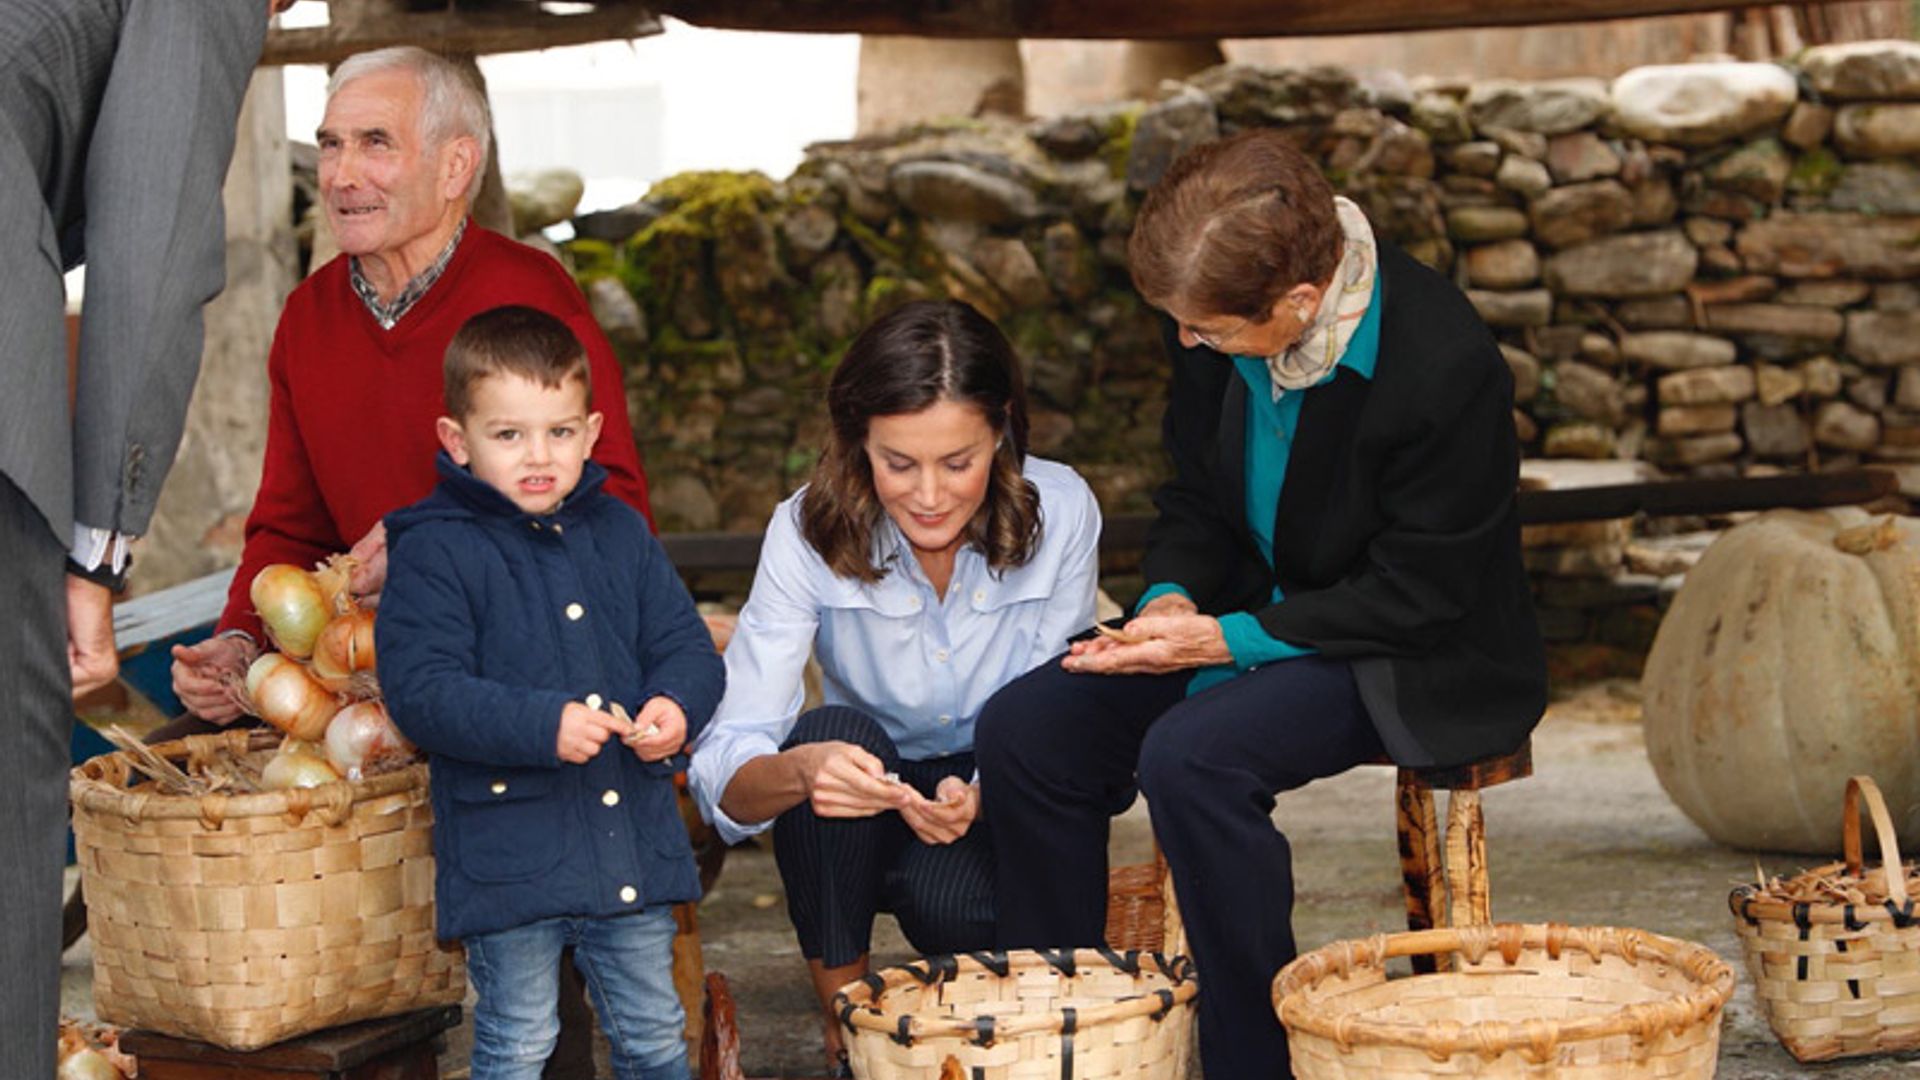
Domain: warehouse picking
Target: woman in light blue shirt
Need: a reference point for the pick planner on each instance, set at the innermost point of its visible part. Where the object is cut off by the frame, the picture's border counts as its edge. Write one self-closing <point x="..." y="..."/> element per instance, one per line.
<point x="929" y="562"/>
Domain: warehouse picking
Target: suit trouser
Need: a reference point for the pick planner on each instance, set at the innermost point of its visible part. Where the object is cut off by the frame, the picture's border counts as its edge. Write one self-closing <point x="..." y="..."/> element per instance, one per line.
<point x="1058" y="752"/>
<point x="36" y="694"/>
<point x="838" y="872"/>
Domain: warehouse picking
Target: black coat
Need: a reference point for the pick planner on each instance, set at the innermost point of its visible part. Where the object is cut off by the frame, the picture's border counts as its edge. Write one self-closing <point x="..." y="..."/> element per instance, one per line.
<point x="1397" y="541"/>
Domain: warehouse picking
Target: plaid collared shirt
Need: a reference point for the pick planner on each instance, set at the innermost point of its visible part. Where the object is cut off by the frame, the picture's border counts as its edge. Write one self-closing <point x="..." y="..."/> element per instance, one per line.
<point x="389" y="314"/>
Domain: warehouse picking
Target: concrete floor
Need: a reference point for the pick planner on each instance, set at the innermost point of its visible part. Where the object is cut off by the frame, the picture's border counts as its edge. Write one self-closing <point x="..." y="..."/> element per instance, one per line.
<point x="1590" y="839"/>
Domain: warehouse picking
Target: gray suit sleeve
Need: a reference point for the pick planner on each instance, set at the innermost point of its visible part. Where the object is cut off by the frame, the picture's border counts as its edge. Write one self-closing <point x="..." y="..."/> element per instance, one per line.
<point x="155" y="242"/>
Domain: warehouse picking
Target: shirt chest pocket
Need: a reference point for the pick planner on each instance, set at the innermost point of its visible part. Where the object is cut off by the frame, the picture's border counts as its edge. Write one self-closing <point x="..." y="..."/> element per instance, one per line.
<point x="509" y="823"/>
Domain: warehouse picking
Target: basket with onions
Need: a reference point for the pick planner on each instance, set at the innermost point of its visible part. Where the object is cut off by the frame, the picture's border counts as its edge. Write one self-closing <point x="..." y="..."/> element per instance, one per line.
<point x="252" y="886"/>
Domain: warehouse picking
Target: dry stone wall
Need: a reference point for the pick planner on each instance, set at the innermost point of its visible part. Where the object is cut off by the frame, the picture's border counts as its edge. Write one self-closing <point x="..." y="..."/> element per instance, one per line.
<point x="1707" y="268"/>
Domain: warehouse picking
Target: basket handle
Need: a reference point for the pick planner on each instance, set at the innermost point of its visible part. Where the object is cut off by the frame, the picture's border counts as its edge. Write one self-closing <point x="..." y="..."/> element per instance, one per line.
<point x="1890" y="864"/>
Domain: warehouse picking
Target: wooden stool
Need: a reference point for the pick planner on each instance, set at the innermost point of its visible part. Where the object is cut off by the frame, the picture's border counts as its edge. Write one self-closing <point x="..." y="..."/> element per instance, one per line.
<point x="395" y="1048"/>
<point x="1448" y="887"/>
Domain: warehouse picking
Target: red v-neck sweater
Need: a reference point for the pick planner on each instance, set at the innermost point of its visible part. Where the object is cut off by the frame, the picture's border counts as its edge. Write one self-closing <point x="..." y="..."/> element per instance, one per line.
<point x="350" y="432"/>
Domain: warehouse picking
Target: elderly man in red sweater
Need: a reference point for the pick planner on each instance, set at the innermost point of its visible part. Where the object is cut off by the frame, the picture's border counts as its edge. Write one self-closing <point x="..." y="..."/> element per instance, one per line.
<point x="355" y="366"/>
<point x="356" y="361"/>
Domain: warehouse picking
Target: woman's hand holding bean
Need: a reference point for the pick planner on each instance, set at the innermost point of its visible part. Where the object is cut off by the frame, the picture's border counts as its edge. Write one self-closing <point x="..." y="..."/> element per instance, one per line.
<point x="846" y="781"/>
<point x="944" y="819"/>
<point x="1165" y="643"/>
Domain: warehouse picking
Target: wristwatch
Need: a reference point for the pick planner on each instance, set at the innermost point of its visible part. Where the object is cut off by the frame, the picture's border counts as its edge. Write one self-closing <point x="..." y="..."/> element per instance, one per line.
<point x="102" y="575"/>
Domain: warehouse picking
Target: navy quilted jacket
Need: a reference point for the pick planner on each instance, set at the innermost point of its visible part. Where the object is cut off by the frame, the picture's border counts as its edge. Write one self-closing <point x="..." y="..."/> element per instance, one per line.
<point x="493" y="619"/>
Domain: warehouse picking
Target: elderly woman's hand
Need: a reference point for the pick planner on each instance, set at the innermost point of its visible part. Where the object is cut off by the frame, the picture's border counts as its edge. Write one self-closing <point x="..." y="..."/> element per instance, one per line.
<point x="1162" y="644"/>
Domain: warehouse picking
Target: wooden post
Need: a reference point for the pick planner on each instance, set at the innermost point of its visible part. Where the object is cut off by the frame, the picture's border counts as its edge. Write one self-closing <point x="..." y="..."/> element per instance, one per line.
<point x="904" y="80"/>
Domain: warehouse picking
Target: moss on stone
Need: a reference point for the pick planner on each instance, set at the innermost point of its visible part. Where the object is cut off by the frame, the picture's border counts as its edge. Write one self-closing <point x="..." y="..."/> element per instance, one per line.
<point x="878" y="249"/>
<point x="1116" y="144"/>
<point x="593" y="259"/>
<point x="702" y="204"/>
<point x="1816" y="172"/>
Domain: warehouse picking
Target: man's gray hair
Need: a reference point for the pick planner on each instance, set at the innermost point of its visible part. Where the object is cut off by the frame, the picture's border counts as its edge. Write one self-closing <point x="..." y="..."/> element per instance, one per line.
<point x="451" y="105"/>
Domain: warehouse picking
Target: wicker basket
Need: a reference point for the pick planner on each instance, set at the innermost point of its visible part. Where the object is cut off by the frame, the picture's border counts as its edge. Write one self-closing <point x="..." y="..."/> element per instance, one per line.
<point x="243" y="920"/>
<point x="1522" y="1000"/>
<point x="1837" y="976"/>
<point x="1090" y="1014"/>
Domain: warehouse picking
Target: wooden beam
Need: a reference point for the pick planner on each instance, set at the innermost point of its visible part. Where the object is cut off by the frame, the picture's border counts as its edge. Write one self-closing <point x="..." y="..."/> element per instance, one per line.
<point x="481" y="33"/>
<point x="1665" y="497"/>
<point x="1159" y="19"/>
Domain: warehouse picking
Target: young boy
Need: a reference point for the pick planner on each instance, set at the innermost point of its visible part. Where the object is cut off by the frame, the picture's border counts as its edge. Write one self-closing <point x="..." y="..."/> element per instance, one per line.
<point x="522" y="605"/>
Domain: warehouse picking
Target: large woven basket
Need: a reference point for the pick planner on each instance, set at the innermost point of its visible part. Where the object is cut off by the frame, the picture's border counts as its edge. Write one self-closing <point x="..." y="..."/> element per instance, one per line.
<point x="1521" y="1000"/>
<point x="1090" y="1014"/>
<point x="1838" y="975"/>
<point x="244" y="920"/>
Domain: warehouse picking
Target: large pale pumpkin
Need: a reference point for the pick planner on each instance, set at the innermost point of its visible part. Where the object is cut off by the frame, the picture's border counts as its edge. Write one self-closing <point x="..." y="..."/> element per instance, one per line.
<point x="1789" y="661"/>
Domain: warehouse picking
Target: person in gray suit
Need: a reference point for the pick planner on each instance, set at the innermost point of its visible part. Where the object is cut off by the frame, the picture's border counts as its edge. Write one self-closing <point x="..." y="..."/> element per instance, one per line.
<point x="117" y="119"/>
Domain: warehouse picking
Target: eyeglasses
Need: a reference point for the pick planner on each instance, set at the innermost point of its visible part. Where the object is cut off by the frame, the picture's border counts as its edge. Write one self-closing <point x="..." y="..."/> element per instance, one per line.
<point x="1216" y="342"/>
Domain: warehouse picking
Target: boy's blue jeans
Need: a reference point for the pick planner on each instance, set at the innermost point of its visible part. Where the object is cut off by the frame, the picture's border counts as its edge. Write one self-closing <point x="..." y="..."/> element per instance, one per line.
<point x="627" y="963"/>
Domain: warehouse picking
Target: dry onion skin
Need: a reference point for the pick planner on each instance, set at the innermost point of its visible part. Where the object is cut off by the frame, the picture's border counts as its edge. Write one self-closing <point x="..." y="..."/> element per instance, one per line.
<point x="292" y="606"/>
<point x="334" y="577"/>
<point x="280" y="691"/>
<point x="343" y="650"/>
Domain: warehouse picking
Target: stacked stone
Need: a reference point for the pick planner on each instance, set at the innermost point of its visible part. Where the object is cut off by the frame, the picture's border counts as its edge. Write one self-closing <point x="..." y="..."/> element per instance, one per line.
<point x="1707" y="267"/>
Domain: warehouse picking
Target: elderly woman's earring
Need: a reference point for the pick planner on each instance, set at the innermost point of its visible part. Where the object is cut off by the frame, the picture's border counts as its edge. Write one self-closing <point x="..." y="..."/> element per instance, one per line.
<point x="1301" y="314"/>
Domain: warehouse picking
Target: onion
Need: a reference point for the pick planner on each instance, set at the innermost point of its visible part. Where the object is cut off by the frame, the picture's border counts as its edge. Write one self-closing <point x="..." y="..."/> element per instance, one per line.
<point x="80" y="1061"/>
<point x="362" y="736"/>
<point x="284" y="695"/>
<point x="297" y="765"/>
<point x="292" y="605"/>
<point x="343" y="649"/>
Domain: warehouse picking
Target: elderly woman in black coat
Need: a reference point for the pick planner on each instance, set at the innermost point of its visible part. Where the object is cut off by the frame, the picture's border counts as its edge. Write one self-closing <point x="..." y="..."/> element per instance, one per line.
<point x="1334" y="578"/>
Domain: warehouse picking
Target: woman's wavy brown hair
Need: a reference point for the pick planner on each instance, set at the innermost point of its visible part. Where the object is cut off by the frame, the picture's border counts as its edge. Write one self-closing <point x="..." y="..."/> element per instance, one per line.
<point x="907" y="360"/>
<point x="1233" y="225"/>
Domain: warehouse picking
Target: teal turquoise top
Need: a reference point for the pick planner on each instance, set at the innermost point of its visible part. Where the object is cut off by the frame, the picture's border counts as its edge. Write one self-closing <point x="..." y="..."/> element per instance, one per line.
<point x="1270" y="427"/>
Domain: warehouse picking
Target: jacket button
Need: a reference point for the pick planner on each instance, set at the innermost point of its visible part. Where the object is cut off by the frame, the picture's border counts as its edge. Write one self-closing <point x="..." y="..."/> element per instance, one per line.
<point x="499" y="787"/>
<point x="628" y="894"/>
<point x="557" y="530"/>
<point x="574" y="611"/>
<point x="594" y="701"/>
<point x="610" y="797"/>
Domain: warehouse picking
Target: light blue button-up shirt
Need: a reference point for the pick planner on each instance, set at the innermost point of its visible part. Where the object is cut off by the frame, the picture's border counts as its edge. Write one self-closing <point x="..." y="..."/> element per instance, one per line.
<point x="920" y="665"/>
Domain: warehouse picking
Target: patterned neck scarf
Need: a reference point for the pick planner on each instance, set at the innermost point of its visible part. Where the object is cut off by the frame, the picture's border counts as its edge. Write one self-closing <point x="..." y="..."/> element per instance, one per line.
<point x="389" y="314"/>
<point x="1308" y="360"/>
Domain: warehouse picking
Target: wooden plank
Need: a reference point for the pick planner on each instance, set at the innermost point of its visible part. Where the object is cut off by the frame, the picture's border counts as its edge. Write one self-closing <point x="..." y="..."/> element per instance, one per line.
<point x="334" y="1049"/>
<point x="160" y="615"/>
<point x="1160" y="19"/>
<point x="481" y="33"/>
<point x="1665" y="497"/>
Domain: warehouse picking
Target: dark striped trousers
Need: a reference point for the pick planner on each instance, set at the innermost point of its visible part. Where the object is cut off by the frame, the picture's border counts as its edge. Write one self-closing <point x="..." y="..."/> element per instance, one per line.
<point x="839" y="872"/>
<point x="36" y="691"/>
<point x="1059" y="750"/>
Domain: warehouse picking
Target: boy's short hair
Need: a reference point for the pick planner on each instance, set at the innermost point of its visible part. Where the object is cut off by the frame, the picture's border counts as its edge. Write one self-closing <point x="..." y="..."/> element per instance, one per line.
<point x="512" y="340"/>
